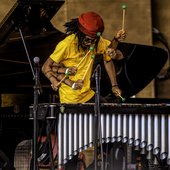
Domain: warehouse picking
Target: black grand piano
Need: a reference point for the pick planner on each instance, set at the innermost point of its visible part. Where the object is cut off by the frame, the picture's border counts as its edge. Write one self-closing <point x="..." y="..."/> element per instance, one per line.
<point x="26" y="32"/>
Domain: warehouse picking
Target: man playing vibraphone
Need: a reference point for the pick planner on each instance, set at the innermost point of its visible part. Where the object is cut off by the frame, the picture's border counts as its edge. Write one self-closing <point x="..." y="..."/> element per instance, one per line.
<point x="69" y="67"/>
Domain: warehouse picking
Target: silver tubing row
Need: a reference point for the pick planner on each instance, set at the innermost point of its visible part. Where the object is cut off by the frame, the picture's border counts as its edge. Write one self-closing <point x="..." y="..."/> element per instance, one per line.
<point x="148" y="132"/>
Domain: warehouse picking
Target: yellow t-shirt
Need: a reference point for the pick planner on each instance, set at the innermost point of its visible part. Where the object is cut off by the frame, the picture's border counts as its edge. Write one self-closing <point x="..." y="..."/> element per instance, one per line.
<point x="67" y="53"/>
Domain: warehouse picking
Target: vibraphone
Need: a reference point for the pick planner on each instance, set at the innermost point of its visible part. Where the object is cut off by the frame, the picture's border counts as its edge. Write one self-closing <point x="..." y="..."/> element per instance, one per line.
<point x="143" y="125"/>
<point x="146" y="126"/>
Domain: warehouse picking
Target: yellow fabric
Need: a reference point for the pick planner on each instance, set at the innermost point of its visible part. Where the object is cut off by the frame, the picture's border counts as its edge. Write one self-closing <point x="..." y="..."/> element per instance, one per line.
<point x="67" y="53"/>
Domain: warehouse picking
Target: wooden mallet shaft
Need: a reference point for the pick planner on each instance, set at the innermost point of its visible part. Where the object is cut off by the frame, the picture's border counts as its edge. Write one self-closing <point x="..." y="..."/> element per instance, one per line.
<point x="123" y="19"/>
<point x="62" y="80"/>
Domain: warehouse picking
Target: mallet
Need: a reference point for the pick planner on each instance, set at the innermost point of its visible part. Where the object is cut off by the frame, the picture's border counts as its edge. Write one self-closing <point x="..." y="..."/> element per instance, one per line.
<point x="124" y="13"/>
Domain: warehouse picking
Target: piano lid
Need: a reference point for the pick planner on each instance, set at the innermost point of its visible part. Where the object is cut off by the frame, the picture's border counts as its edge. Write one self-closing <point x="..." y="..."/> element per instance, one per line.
<point x="32" y="16"/>
<point x="33" y="19"/>
<point x="141" y="64"/>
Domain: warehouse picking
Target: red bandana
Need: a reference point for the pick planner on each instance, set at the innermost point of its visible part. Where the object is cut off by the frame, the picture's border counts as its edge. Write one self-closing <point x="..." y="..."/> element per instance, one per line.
<point x="90" y="24"/>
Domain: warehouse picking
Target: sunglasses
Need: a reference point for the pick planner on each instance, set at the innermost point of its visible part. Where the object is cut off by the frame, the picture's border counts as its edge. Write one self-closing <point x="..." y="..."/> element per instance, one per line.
<point x="89" y="40"/>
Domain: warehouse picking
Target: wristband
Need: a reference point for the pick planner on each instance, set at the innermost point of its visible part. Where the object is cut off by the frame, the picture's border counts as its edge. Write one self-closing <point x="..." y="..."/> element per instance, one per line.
<point x="73" y="86"/>
<point x="114" y="85"/>
<point x="116" y="39"/>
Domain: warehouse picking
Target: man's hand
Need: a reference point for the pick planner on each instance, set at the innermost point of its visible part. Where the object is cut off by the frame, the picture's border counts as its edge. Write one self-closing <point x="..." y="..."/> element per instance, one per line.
<point x="116" y="91"/>
<point x="77" y="85"/>
<point x="71" y="70"/>
<point x="55" y="85"/>
<point x="120" y="35"/>
<point x="111" y="52"/>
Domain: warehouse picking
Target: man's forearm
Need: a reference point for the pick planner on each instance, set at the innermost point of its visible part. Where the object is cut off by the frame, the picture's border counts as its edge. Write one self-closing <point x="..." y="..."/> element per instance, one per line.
<point x="110" y="68"/>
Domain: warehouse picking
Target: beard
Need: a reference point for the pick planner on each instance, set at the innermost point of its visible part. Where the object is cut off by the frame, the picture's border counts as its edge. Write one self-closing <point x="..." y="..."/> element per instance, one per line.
<point x="85" y="45"/>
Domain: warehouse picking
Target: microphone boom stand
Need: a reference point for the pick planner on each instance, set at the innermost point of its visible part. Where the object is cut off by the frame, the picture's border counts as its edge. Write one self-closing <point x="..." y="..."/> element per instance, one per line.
<point x="35" y="110"/>
<point x="35" y="106"/>
<point x="37" y="91"/>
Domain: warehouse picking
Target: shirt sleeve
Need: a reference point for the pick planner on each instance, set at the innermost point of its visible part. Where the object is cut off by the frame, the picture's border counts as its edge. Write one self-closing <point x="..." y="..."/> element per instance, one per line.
<point x="60" y="52"/>
<point x="103" y="44"/>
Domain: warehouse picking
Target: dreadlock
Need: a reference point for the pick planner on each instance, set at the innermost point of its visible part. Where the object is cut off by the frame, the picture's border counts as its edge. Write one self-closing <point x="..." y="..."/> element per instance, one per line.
<point x="73" y="28"/>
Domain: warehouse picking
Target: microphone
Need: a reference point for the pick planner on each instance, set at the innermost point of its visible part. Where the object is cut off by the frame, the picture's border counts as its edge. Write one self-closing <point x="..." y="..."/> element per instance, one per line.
<point x="36" y="61"/>
<point x="36" y="76"/>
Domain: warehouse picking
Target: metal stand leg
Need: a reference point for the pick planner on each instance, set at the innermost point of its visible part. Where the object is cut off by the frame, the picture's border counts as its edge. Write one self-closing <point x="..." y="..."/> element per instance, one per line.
<point x="52" y="167"/>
